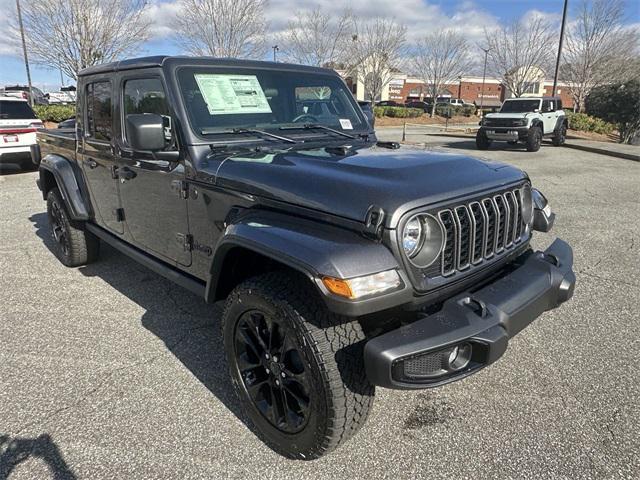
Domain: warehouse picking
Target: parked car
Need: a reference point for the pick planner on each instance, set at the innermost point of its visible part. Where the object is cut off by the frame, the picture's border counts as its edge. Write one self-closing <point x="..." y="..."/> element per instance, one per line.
<point x="69" y="123"/>
<point x="389" y="103"/>
<point x="22" y="91"/>
<point x="18" y="125"/>
<point x="526" y="120"/>
<point x="60" y="98"/>
<point x="424" y="106"/>
<point x="345" y="263"/>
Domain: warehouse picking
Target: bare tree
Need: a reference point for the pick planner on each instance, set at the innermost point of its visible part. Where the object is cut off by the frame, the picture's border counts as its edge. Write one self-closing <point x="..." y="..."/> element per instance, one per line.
<point x="316" y="38"/>
<point x="222" y="28"/>
<point x="598" y="49"/>
<point x="440" y="58"/>
<point x="520" y="50"/>
<point x="375" y="53"/>
<point x="76" y="34"/>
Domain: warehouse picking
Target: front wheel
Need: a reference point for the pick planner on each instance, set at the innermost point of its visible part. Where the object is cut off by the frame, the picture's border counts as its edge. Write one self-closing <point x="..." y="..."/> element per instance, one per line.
<point x="534" y="139"/>
<point x="297" y="368"/>
<point x="482" y="141"/>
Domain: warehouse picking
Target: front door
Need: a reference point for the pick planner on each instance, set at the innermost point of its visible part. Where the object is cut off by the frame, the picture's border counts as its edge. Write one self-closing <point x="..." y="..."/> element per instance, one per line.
<point x="150" y="190"/>
<point x="95" y="151"/>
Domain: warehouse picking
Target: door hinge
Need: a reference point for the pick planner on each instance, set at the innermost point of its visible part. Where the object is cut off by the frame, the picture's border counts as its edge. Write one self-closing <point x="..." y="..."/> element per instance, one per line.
<point x="119" y="214"/>
<point x="182" y="187"/>
<point x="186" y="240"/>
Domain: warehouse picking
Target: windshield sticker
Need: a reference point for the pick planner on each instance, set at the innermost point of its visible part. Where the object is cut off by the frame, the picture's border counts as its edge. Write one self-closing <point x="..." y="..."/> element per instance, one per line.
<point x="345" y="123"/>
<point x="232" y="94"/>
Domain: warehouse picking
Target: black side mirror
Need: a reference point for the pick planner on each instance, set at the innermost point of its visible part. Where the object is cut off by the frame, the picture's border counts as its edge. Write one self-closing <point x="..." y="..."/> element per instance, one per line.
<point x="145" y="132"/>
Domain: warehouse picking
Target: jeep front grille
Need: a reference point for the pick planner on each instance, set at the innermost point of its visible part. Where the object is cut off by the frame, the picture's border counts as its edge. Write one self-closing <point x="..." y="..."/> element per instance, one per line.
<point x="479" y="230"/>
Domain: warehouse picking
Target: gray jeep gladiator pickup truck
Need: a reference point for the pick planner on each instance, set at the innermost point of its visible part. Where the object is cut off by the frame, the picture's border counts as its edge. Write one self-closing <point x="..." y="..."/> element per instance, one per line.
<point x="346" y="263"/>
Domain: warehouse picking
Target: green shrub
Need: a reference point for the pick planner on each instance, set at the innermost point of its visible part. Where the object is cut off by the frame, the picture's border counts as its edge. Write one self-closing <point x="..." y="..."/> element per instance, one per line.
<point x="54" y="113"/>
<point x="586" y="123"/>
<point x="397" y="112"/>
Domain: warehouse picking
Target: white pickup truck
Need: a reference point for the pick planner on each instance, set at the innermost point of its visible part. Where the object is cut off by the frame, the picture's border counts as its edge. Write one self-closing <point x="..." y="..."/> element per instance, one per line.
<point x="525" y="120"/>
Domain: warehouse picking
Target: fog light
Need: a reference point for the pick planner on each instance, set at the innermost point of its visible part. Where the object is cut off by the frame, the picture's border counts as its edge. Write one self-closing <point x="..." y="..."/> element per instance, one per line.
<point x="459" y="357"/>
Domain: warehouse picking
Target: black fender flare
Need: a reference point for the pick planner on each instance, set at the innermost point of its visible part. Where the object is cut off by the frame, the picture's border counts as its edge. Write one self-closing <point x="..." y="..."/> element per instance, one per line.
<point x="312" y="248"/>
<point x="63" y="173"/>
<point x="562" y="120"/>
<point x="536" y="122"/>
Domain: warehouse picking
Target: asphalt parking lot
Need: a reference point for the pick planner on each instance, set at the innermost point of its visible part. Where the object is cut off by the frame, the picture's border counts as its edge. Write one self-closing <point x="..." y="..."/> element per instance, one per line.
<point x="109" y="371"/>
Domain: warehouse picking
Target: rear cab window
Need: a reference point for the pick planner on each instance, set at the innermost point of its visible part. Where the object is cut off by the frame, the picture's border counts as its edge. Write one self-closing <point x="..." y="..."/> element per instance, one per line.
<point x="99" y="111"/>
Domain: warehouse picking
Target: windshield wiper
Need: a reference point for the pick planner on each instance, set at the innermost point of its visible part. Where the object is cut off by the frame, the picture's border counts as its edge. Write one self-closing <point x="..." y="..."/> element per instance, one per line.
<point x="262" y="133"/>
<point x="310" y="126"/>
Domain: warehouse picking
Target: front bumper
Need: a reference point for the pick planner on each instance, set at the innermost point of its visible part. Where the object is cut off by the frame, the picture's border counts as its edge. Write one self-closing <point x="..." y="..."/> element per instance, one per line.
<point x="506" y="133"/>
<point x="484" y="319"/>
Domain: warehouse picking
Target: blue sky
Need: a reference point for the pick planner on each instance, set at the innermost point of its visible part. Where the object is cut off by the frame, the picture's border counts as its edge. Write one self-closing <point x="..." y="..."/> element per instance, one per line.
<point x="471" y="17"/>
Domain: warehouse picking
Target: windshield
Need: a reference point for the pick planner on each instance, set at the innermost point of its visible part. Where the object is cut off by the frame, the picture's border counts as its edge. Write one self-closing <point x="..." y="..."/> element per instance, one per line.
<point x="519" y="106"/>
<point x="15" y="110"/>
<point x="219" y="99"/>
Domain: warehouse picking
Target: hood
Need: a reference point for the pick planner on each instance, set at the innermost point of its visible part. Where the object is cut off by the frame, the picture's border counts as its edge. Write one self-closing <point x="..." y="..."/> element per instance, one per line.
<point x="347" y="183"/>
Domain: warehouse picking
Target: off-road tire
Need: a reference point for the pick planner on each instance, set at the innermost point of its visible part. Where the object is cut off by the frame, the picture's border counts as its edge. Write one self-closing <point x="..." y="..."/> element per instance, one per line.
<point x="482" y="142"/>
<point x="534" y="139"/>
<point x="560" y="136"/>
<point x="331" y="347"/>
<point x="80" y="247"/>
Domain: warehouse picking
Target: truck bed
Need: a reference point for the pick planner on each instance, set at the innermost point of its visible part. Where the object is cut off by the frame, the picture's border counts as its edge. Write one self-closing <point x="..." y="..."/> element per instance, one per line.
<point x="58" y="141"/>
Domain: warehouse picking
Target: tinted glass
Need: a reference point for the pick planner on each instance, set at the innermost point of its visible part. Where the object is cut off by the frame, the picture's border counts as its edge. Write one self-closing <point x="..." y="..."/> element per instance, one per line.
<point x="519" y="106"/>
<point x="217" y="100"/>
<point x="15" y="110"/>
<point x="146" y="95"/>
<point x="99" y="117"/>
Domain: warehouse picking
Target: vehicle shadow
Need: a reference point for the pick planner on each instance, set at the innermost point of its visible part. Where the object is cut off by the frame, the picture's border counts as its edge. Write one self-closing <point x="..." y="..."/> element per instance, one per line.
<point x="471" y="145"/>
<point x="14" y="451"/>
<point x="188" y="326"/>
<point x="15" y="168"/>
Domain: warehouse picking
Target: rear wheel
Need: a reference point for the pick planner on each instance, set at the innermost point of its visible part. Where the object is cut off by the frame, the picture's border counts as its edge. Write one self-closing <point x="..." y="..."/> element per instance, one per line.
<point x="73" y="245"/>
<point x="534" y="139"/>
<point x="482" y="142"/>
<point x="560" y="136"/>
<point x="297" y="368"/>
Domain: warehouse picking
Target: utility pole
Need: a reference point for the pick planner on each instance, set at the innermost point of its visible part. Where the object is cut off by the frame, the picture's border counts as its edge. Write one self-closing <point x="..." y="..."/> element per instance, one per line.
<point x="564" y="21"/>
<point x="275" y="50"/>
<point x="459" y="86"/>
<point x="484" y="76"/>
<point x="24" y="51"/>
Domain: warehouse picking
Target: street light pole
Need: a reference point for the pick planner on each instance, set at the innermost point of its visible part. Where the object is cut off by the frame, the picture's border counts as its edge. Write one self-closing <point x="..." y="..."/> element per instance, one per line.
<point x="564" y="21"/>
<point x="484" y="76"/>
<point x="275" y="50"/>
<point x="24" y="51"/>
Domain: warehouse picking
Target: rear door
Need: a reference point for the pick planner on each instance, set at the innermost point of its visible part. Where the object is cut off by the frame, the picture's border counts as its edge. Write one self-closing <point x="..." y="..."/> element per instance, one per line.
<point x="96" y="153"/>
<point x="549" y="115"/>
<point x="150" y="189"/>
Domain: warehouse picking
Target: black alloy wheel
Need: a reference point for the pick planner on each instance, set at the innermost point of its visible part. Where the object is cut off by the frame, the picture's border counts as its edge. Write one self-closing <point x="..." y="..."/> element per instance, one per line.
<point x="272" y="371"/>
<point x="59" y="227"/>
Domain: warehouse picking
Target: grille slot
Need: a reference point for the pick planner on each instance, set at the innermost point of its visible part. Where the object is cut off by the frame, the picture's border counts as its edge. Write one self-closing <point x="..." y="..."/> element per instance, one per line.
<point x="480" y="229"/>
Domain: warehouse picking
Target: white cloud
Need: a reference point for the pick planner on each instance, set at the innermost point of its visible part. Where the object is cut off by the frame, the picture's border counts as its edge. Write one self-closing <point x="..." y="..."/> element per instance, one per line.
<point x="9" y="45"/>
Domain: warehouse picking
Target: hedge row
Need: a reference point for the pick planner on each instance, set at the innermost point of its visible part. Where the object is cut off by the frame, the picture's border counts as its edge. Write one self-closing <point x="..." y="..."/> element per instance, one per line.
<point x="54" y="113"/>
<point x="455" y="110"/>
<point x="397" y="112"/>
<point x="587" y="123"/>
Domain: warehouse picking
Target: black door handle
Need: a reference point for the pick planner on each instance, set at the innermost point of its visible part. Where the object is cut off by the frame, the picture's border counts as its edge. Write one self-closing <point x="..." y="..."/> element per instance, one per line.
<point x="126" y="173"/>
<point x="90" y="163"/>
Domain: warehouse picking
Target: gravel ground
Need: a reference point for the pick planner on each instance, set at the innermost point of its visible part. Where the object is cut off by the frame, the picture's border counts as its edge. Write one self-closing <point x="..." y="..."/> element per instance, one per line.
<point x="109" y="371"/>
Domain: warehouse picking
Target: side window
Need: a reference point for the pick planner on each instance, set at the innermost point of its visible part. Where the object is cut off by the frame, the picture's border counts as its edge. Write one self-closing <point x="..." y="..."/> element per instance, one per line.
<point x="146" y="95"/>
<point x="99" y="118"/>
<point x="547" y="106"/>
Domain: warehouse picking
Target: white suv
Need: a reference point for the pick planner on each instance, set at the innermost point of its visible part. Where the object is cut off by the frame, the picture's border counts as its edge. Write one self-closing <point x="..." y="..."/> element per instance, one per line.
<point x="18" y="125"/>
<point x="525" y="120"/>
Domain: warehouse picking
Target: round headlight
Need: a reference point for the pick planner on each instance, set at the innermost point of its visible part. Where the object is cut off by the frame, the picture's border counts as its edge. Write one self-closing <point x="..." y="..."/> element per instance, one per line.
<point x="527" y="204"/>
<point x="422" y="240"/>
<point x="412" y="236"/>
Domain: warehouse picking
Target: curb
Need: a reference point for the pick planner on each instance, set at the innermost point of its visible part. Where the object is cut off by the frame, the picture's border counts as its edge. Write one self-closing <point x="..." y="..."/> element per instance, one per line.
<point x="611" y="153"/>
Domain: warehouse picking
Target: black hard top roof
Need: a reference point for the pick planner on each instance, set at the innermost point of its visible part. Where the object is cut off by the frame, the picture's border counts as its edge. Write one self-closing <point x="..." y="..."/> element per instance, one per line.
<point x="162" y="60"/>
